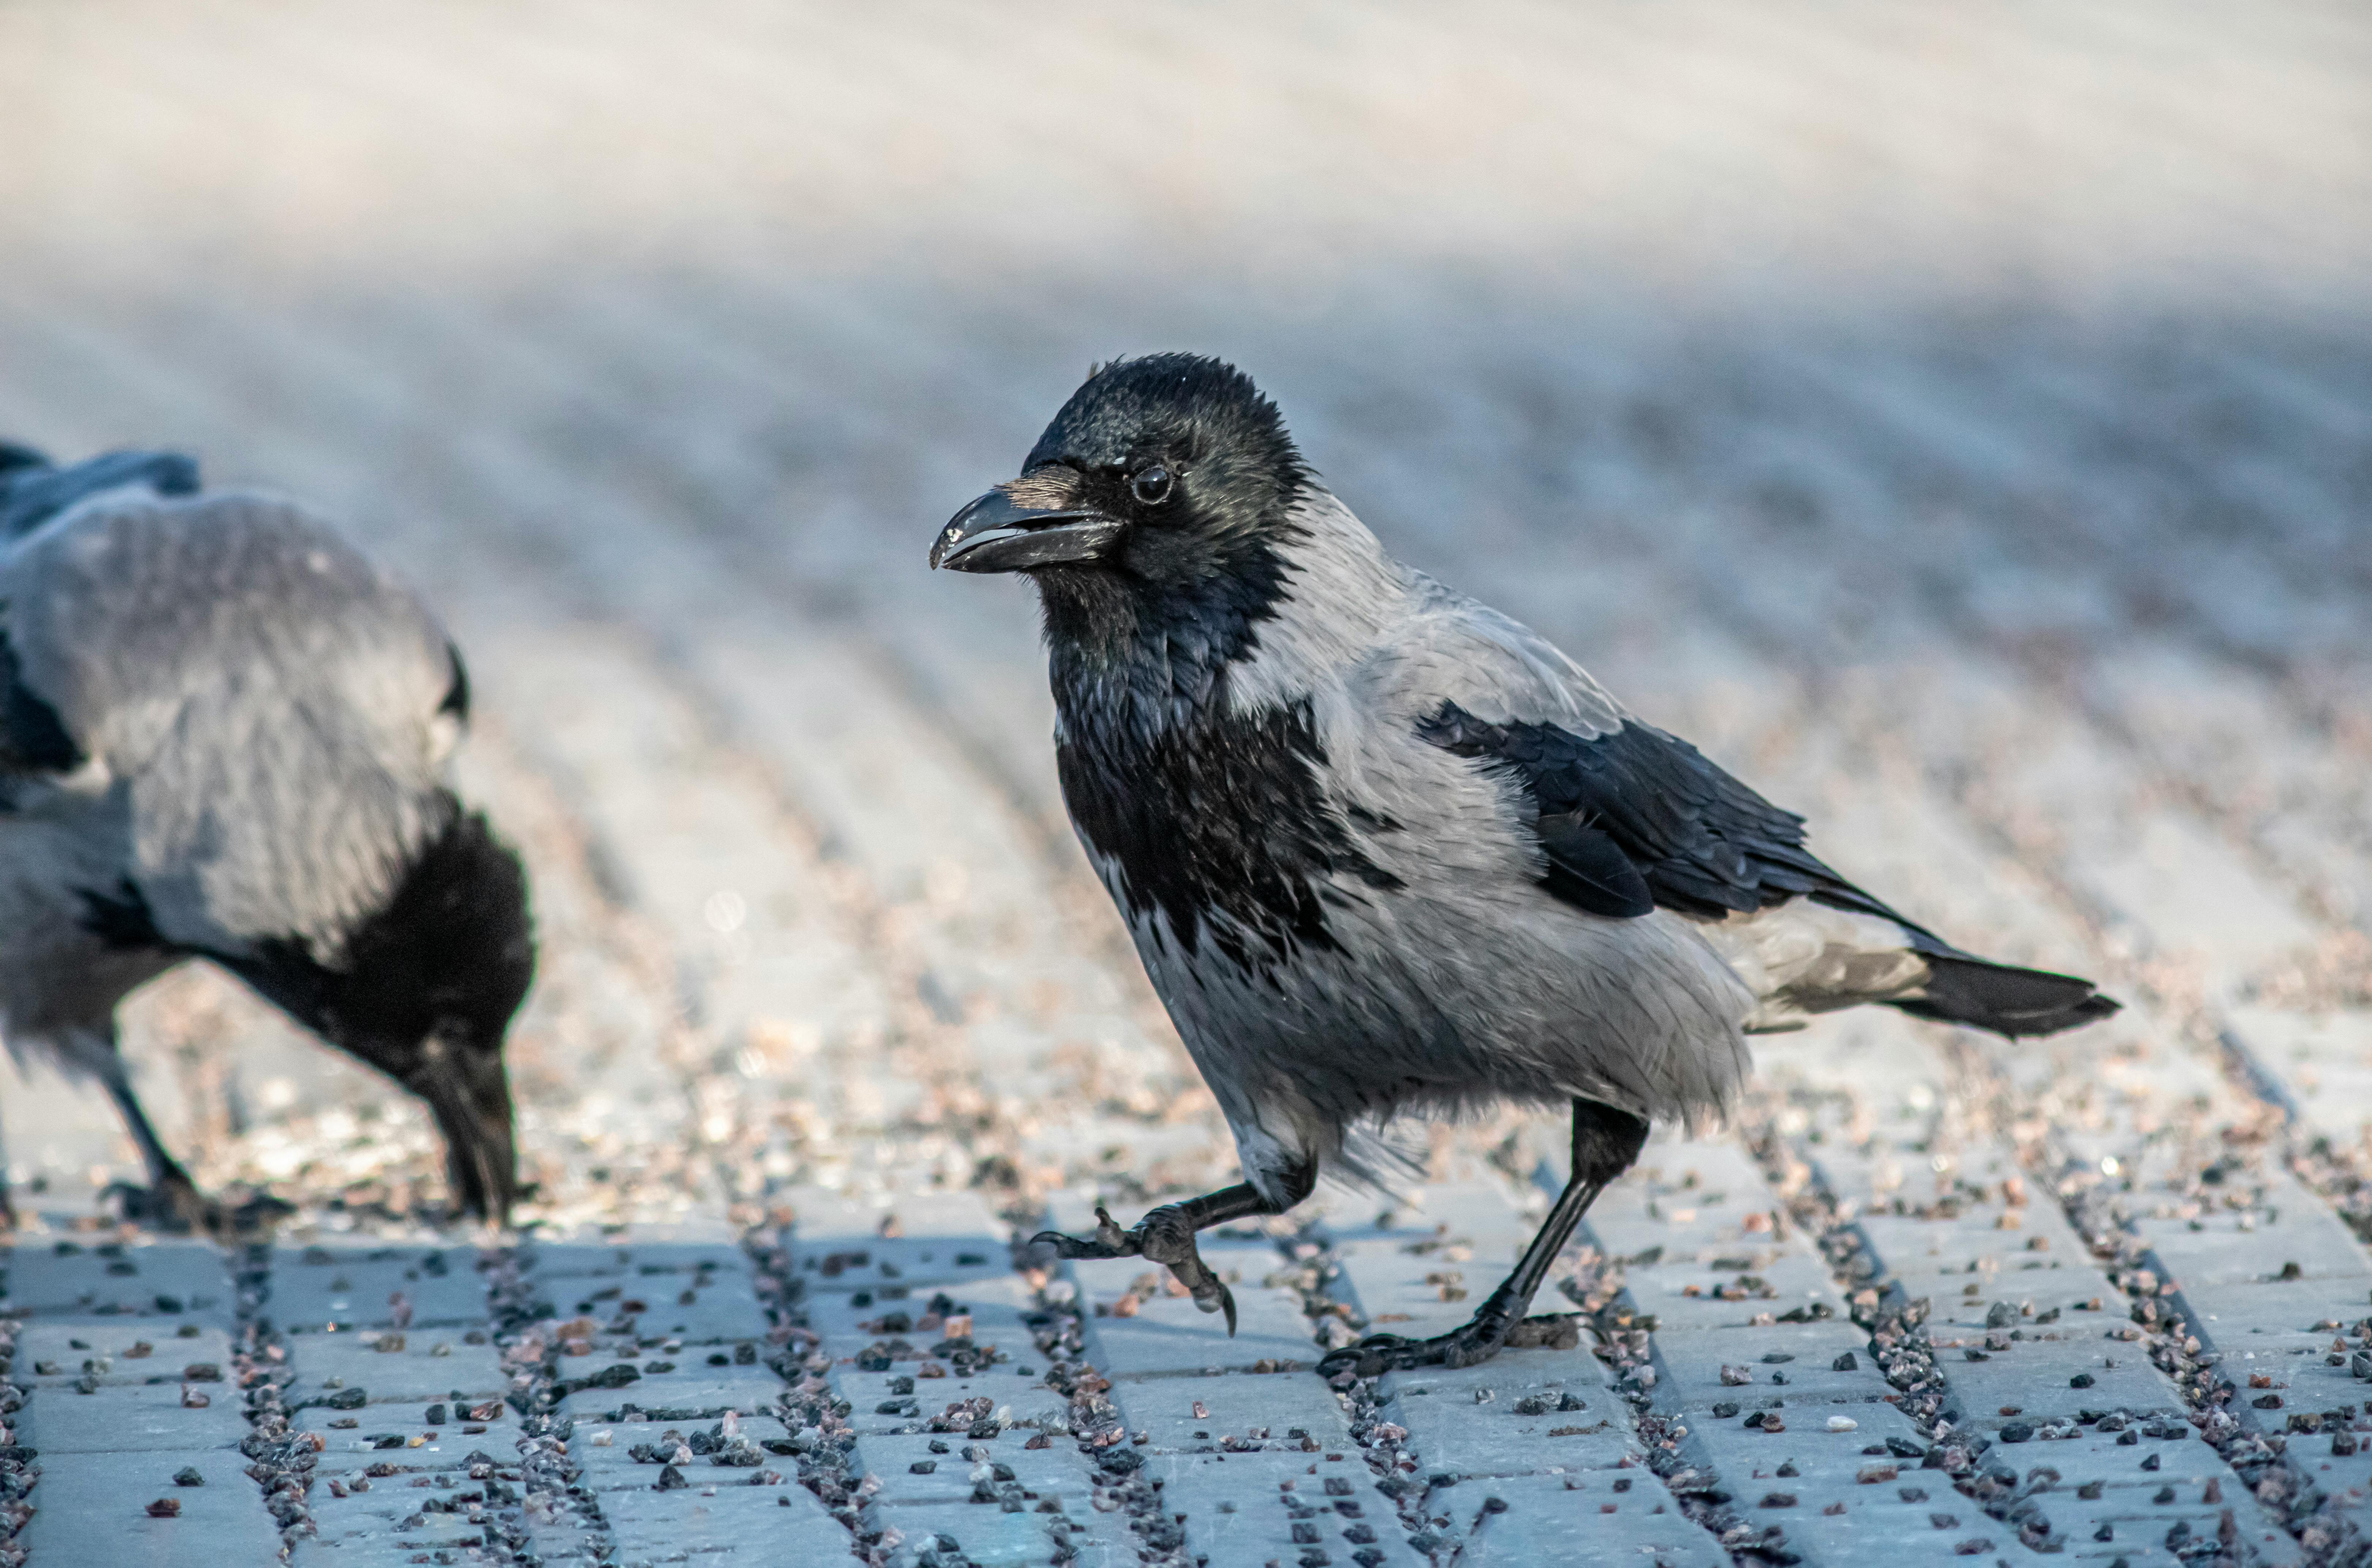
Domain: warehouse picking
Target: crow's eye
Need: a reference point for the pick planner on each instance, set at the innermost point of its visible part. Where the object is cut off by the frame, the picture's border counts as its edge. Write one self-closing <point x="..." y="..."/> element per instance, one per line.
<point x="1151" y="486"/>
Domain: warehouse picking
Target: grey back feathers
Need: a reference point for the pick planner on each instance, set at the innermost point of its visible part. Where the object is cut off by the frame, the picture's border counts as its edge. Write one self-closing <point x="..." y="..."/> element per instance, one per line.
<point x="265" y="700"/>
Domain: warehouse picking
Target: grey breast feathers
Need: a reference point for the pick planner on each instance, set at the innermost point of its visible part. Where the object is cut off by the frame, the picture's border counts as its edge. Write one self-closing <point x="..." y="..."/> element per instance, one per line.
<point x="276" y="707"/>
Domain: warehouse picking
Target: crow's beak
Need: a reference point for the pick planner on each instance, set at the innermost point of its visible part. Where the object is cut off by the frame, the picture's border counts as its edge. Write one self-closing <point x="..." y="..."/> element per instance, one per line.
<point x="470" y="1095"/>
<point x="997" y="533"/>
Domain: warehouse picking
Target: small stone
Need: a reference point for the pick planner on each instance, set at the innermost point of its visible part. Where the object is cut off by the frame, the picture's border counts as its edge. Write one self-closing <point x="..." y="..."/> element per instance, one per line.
<point x="1844" y="1363"/>
<point x="2017" y="1431"/>
<point x="1843" y="1424"/>
<point x="1736" y="1377"/>
<point x="188" y="1476"/>
<point x="1777" y="1500"/>
<point x="1871" y="1475"/>
<point x="165" y="1508"/>
<point x="2081" y="1380"/>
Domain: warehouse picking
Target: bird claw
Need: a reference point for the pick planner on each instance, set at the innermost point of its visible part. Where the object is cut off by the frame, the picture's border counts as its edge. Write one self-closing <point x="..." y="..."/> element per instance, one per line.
<point x="1109" y="1241"/>
<point x="1165" y="1237"/>
<point x="179" y="1208"/>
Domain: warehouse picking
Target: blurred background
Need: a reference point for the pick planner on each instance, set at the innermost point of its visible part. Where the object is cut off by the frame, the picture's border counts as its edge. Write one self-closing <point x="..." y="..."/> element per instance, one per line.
<point x="1958" y="420"/>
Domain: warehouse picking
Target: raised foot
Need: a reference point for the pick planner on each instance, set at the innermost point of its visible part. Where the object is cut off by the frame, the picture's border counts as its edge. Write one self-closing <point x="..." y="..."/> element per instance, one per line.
<point x="1165" y="1235"/>
<point x="1469" y="1344"/>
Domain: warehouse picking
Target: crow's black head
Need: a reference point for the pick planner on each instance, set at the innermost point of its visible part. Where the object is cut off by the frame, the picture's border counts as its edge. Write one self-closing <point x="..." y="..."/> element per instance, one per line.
<point x="1165" y="468"/>
<point x="424" y="989"/>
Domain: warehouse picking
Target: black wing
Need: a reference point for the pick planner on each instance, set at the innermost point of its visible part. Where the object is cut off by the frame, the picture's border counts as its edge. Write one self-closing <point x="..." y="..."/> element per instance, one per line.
<point x="1637" y="819"/>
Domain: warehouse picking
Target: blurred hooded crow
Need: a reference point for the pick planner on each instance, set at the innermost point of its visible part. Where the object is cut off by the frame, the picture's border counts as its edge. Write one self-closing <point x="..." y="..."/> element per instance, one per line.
<point x="1386" y="852"/>
<point x="223" y="735"/>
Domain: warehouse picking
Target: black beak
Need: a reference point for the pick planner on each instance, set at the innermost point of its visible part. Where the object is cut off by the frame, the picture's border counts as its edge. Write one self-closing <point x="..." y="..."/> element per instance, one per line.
<point x="470" y="1095"/>
<point x="997" y="533"/>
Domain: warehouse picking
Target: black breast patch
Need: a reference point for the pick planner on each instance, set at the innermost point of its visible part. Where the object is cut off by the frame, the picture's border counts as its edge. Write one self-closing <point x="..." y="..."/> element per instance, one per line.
<point x="1639" y="820"/>
<point x="1221" y="817"/>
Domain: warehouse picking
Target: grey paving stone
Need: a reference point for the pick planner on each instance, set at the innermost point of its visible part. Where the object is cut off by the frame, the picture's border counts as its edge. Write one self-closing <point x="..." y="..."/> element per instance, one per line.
<point x="1252" y="1508"/>
<point x="114" y="1353"/>
<point x="2290" y="1230"/>
<point x="1168" y="1335"/>
<point x="1789" y="1361"/>
<point x="647" y="1257"/>
<point x="348" y="1453"/>
<point x="995" y="1538"/>
<point x="353" y="1285"/>
<point x="998" y="1307"/>
<point x="1468" y="1420"/>
<point x="611" y="1466"/>
<point x="1053" y="1473"/>
<point x="1578" y="1518"/>
<point x="128" y="1418"/>
<point x="1030" y="1402"/>
<point x="128" y="1280"/>
<point x="947" y="1240"/>
<point x="95" y="1511"/>
<point x="2315" y="1061"/>
<point x="1241" y="1409"/>
<point x="708" y="1391"/>
<point x="724" y="1310"/>
<point x="428" y="1505"/>
<point x="741" y="1523"/>
<point x="411" y="1374"/>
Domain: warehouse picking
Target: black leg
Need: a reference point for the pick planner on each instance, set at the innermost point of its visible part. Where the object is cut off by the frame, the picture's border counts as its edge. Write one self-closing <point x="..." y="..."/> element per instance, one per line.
<point x="172" y="1197"/>
<point x="1605" y="1142"/>
<point x="1165" y="1235"/>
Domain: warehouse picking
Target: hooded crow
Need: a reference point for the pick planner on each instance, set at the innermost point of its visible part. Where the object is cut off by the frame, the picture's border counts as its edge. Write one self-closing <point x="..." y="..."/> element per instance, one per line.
<point x="223" y="735"/>
<point x="1387" y="852"/>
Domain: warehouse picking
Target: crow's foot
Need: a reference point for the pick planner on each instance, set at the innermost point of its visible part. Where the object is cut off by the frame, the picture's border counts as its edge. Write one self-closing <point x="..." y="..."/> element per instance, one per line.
<point x="1165" y="1235"/>
<point x="1476" y="1340"/>
<point x="175" y="1205"/>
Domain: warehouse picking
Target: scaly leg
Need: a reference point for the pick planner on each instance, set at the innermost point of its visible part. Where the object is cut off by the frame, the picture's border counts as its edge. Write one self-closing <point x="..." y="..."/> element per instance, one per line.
<point x="172" y="1199"/>
<point x="1165" y="1235"/>
<point x="1605" y="1142"/>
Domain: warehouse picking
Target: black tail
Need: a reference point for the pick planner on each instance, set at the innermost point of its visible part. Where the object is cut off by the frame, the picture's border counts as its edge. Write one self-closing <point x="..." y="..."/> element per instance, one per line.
<point x="1964" y="990"/>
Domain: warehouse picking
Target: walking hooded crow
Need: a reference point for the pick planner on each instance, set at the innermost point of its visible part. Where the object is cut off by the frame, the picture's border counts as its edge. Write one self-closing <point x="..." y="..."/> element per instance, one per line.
<point x="1385" y="852"/>
<point x="223" y="735"/>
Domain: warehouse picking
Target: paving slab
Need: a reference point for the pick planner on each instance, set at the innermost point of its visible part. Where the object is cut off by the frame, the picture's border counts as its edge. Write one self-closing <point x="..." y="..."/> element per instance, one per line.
<point x="177" y="1279"/>
<point x="97" y="1512"/>
<point x="370" y="1286"/>
<point x="1579" y="1517"/>
<point x="1252" y="1508"/>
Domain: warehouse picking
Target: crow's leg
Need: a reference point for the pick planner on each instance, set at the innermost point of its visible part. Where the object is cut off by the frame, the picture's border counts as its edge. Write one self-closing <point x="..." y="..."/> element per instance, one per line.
<point x="1605" y="1142"/>
<point x="172" y="1199"/>
<point x="1165" y="1235"/>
